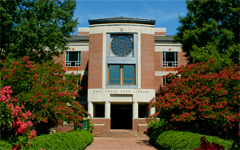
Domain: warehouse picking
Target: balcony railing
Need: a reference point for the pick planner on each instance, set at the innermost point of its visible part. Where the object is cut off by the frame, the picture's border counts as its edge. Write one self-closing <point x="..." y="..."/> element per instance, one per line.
<point x="170" y="63"/>
<point x="73" y="63"/>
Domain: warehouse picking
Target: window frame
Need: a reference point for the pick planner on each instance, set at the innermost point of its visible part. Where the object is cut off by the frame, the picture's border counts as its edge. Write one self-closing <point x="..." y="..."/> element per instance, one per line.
<point x="164" y="81"/>
<point x="69" y="63"/>
<point x="121" y="83"/>
<point x="174" y="63"/>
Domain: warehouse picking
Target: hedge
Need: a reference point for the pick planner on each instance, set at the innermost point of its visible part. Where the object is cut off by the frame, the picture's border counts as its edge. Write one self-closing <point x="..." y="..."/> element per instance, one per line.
<point x="5" y="145"/>
<point x="173" y="139"/>
<point x="77" y="139"/>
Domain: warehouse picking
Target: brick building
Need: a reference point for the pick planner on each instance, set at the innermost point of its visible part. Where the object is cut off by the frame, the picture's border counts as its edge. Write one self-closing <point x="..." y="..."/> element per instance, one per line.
<point x="123" y="62"/>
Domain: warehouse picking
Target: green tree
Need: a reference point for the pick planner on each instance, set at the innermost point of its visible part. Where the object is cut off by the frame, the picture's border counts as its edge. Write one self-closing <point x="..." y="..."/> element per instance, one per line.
<point x="36" y="28"/>
<point x="210" y="30"/>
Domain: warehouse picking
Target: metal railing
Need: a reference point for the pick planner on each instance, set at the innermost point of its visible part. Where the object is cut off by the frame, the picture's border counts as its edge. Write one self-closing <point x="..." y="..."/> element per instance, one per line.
<point x="170" y="63"/>
<point x="73" y="63"/>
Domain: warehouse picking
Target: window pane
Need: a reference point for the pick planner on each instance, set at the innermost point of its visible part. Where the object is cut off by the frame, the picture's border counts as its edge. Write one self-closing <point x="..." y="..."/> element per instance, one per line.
<point x="73" y="56"/>
<point x="67" y="53"/>
<point x="128" y="74"/>
<point x="170" y="56"/>
<point x="114" y="74"/>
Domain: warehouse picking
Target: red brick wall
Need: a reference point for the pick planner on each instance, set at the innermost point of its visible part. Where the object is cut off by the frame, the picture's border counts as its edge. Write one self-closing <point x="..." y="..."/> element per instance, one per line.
<point x="95" y="60"/>
<point x="101" y="129"/>
<point x="83" y="33"/>
<point x="160" y="33"/>
<point x="59" y="59"/>
<point x="158" y="61"/>
<point x="158" y="83"/>
<point x="147" y="61"/>
<point x="182" y="61"/>
<point x="138" y="128"/>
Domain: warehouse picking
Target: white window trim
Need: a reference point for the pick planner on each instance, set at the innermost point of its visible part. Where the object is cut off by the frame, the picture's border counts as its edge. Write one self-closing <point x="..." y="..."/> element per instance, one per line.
<point x="174" y="63"/>
<point x="77" y="63"/>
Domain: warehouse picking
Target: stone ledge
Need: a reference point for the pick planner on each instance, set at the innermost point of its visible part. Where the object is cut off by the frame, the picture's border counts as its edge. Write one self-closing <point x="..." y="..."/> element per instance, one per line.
<point x="99" y="124"/>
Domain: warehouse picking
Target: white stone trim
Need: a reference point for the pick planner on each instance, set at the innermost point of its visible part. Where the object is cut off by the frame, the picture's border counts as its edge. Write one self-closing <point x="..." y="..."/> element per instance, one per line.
<point x="77" y="72"/>
<point x="103" y="95"/>
<point x="160" y="29"/>
<point x="120" y="24"/>
<point x="174" y="48"/>
<point x="142" y="125"/>
<point x="167" y="44"/>
<point x="107" y="110"/>
<point x="129" y="28"/>
<point x="78" y="48"/>
<point x="135" y="110"/>
<point x="99" y="124"/>
<point x="83" y="29"/>
<point x="163" y="73"/>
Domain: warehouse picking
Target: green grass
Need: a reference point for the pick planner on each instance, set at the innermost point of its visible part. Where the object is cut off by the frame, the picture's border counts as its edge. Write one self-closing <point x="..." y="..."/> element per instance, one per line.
<point x="183" y="140"/>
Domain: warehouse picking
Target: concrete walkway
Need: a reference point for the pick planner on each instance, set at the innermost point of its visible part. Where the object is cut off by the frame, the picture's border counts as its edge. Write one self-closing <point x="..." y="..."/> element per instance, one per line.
<point x="122" y="140"/>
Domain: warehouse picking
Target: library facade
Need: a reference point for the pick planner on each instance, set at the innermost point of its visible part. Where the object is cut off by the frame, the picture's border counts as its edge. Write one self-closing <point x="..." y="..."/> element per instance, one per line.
<point x="123" y="62"/>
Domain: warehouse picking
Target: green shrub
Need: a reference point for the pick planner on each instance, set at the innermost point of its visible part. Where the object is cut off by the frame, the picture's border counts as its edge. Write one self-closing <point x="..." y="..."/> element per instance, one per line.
<point x="77" y="139"/>
<point x="156" y="124"/>
<point x="5" y="145"/>
<point x="183" y="140"/>
<point x="90" y="126"/>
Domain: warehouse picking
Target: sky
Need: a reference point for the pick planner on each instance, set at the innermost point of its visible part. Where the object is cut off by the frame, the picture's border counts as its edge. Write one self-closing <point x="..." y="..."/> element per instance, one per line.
<point x="165" y="12"/>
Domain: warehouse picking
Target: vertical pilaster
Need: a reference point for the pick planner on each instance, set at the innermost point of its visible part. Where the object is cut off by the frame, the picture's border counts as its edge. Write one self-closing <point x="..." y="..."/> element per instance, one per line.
<point x="90" y="108"/>
<point x="135" y="110"/>
<point x="107" y="109"/>
<point x="152" y="110"/>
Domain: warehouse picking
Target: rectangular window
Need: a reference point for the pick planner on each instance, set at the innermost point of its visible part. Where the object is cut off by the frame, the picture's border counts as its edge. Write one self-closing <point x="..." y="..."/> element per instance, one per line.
<point x="121" y="74"/>
<point x="165" y="81"/>
<point x="73" y="58"/>
<point x="170" y="59"/>
<point x="114" y="74"/>
<point x="128" y="74"/>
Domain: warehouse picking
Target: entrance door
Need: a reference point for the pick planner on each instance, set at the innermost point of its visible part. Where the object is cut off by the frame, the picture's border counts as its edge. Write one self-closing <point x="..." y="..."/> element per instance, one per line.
<point x="121" y="116"/>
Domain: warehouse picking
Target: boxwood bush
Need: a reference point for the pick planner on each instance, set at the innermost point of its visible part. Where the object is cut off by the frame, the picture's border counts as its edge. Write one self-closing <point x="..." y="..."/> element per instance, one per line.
<point x="172" y="139"/>
<point x="77" y="139"/>
<point x="5" y="145"/>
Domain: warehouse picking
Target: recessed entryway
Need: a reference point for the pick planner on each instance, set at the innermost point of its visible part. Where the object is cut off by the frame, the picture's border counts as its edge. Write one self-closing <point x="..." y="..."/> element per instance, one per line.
<point x="121" y="116"/>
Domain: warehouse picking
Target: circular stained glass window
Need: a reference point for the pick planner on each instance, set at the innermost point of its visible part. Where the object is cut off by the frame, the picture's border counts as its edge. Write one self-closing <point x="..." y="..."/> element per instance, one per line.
<point x="121" y="45"/>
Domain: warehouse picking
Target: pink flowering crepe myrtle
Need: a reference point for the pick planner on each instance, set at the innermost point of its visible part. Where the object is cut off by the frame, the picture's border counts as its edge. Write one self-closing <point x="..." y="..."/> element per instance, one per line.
<point x="20" y="126"/>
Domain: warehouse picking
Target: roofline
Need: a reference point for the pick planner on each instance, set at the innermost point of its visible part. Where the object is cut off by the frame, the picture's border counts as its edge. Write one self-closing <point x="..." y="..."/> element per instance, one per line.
<point x="120" y="20"/>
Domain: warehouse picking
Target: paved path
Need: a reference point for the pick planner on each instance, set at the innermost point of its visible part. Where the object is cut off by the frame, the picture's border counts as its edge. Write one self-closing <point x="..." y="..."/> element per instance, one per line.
<point x="121" y="140"/>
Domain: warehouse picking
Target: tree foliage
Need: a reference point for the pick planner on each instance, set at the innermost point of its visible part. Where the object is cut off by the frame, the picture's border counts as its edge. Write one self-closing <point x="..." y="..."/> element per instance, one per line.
<point x="210" y="29"/>
<point x="36" y="28"/>
<point x="42" y="89"/>
<point x="203" y="100"/>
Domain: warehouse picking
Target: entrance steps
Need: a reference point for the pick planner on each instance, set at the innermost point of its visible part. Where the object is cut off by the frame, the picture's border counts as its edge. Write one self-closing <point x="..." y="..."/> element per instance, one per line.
<point x="121" y="133"/>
